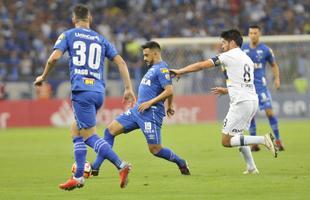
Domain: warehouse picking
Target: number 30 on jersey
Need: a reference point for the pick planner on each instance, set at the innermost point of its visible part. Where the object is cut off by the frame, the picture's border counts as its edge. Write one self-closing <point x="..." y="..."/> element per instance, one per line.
<point x="93" y="58"/>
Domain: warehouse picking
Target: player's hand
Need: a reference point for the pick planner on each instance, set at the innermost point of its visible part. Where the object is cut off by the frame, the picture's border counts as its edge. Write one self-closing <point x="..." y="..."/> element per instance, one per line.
<point x="219" y="91"/>
<point x="175" y="73"/>
<point x="170" y="111"/>
<point x="144" y="106"/>
<point x="129" y="98"/>
<point x="39" y="80"/>
<point x="277" y="84"/>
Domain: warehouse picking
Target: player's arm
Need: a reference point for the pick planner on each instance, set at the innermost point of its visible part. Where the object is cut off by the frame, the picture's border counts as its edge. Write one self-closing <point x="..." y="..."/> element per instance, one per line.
<point x="275" y="68"/>
<point x="168" y="91"/>
<point x="129" y="97"/>
<point x="276" y="75"/>
<point x="170" y="109"/>
<point x="54" y="57"/>
<point x="192" y="68"/>
<point x="219" y="90"/>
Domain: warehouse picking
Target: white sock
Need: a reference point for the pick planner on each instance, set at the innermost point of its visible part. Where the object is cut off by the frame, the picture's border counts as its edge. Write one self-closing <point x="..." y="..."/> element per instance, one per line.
<point x="246" y="153"/>
<point x="80" y="179"/>
<point x="243" y="140"/>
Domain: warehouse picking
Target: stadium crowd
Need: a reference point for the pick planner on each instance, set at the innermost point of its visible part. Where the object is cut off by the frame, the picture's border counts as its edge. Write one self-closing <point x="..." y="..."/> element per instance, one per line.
<point x="29" y="28"/>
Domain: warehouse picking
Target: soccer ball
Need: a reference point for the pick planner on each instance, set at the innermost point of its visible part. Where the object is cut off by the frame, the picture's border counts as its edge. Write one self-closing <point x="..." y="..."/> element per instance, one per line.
<point x="87" y="169"/>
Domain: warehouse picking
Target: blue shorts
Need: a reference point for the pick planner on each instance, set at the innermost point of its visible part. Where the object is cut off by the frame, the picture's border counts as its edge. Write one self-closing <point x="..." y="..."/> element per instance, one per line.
<point x="85" y="105"/>
<point x="264" y="98"/>
<point x="149" y="122"/>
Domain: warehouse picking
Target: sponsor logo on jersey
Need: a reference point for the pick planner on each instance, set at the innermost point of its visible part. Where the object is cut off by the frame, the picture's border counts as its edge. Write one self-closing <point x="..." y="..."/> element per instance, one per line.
<point x="61" y="37"/>
<point x="145" y="81"/>
<point x="259" y="55"/>
<point x="258" y="65"/>
<point x="235" y="130"/>
<point x="89" y="81"/>
<point x="86" y="36"/>
<point x="164" y="70"/>
<point x="151" y="136"/>
<point x="127" y="113"/>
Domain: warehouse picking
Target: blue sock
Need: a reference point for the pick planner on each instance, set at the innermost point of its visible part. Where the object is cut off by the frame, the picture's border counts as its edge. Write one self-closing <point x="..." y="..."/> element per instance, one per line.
<point x="110" y="139"/>
<point x="80" y="151"/>
<point x="274" y="125"/>
<point x="252" y="128"/>
<point x="169" y="155"/>
<point x="104" y="150"/>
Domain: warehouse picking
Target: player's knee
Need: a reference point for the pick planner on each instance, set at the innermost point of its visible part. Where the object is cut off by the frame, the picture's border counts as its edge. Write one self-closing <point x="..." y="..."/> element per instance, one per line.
<point x="114" y="128"/>
<point x="226" y="142"/>
<point x="269" y="113"/>
<point x="154" y="149"/>
<point x="111" y="129"/>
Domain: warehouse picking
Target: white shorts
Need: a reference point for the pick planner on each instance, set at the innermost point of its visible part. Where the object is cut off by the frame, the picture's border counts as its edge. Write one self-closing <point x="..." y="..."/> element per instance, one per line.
<point x="239" y="117"/>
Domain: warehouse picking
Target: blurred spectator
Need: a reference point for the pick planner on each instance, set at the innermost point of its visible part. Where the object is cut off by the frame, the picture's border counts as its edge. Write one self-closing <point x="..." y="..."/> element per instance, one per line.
<point x="26" y="66"/>
<point x="301" y="85"/>
<point x="133" y="56"/>
<point x="2" y="91"/>
<point x="29" y="28"/>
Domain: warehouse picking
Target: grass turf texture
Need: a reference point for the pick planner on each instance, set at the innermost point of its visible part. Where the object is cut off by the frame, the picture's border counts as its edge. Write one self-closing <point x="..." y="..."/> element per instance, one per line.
<point x="35" y="160"/>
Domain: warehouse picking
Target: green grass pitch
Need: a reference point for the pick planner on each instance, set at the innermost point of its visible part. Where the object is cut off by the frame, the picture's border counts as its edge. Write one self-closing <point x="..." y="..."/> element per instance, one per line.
<point x="35" y="160"/>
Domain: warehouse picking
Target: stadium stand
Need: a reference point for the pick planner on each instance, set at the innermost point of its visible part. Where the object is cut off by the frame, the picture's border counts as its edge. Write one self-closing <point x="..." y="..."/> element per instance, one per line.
<point x="29" y="28"/>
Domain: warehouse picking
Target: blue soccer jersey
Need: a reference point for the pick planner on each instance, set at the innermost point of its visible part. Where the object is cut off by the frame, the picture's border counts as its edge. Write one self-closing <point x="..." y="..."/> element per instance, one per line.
<point x="153" y="83"/>
<point x="261" y="55"/>
<point x="149" y="121"/>
<point x="87" y="50"/>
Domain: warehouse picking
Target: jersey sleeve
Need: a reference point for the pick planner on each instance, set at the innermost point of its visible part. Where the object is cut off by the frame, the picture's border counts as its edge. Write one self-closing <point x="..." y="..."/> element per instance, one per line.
<point x="110" y="50"/>
<point x="216" y="61"/>
<point x="164" y="77"/>
<point x="61" y="43"/>
<point x="219" y="59"/>
<point x="270" y="56"/>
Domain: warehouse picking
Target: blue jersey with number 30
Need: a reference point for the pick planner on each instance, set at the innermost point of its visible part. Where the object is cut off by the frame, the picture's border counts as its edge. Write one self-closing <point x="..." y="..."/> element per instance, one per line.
<point x="87" y="50"/>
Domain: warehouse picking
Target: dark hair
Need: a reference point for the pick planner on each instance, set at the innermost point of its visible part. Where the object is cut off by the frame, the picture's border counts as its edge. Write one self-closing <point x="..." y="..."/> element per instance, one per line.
<point x="81" y="11"/>
<point x="255" y="26"/>
<point x="151" y="45"/>
<point x="232" y="34"/>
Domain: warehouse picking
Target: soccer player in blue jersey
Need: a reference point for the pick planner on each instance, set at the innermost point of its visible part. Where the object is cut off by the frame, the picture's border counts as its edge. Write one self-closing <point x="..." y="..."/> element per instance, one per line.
<point x="87" y="50"/>
<point x="261" y="54"/>
<point x="148" y="113"/>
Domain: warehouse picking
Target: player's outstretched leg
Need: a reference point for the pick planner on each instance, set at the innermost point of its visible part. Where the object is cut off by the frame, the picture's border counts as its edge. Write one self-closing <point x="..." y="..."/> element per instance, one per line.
<point x="103" y="149"/>
<point x="123" y="174"/>
<point x="72" y="183"/>
<point x="252" y="131"/>
<point x="165" y="153"/>
<point x="274" y="126"/>
<point x="109" y="138"/>
<point x="77" y="181"/>
<point x="244" y="140"/>
<point x="270" y="144"/>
